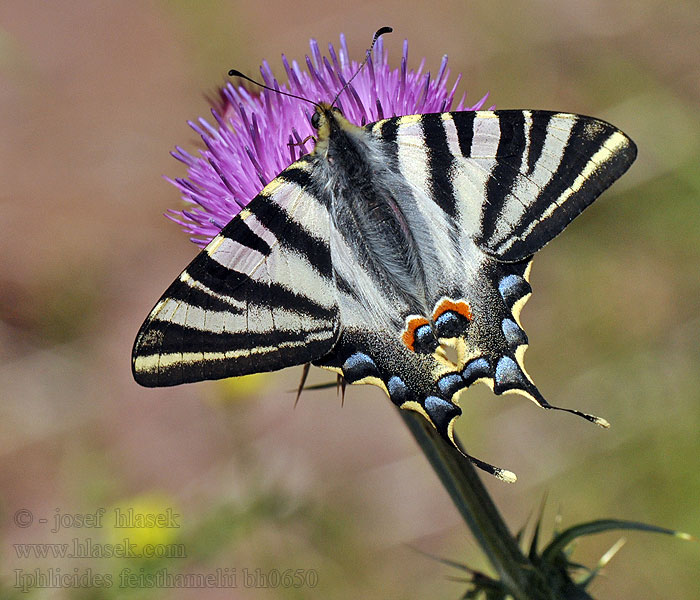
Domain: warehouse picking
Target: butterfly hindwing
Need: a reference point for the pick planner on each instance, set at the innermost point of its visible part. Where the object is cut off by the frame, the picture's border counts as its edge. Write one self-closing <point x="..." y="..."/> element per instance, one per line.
<point x="259" y="297"/>
<point x="416" y="371"/>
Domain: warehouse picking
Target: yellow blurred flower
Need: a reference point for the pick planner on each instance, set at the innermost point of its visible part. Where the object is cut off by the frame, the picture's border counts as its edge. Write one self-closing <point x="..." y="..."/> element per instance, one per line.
<point x="143" y="524"/>
<point x="240" y="388"/>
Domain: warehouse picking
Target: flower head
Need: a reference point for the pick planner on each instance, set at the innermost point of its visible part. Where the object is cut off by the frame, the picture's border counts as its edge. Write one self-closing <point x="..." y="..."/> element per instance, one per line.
<point x="258" y="135"/>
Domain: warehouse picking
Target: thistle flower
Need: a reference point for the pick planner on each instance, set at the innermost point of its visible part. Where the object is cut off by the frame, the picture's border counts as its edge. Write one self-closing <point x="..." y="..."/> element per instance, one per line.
<point x="257" y="135"/>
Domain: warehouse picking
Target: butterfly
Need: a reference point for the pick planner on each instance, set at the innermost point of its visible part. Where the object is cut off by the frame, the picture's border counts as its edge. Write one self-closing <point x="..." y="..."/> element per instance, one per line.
<point x="395" y="254"/>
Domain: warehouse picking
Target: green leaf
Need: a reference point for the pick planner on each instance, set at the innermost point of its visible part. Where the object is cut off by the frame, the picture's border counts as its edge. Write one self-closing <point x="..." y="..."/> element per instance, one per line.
<point x="561" y="541"/>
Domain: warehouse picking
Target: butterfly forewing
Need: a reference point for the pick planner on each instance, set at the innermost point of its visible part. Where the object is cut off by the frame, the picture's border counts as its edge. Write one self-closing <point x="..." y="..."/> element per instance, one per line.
<point x="259" y="297"/>
<point x="513" y="178"/>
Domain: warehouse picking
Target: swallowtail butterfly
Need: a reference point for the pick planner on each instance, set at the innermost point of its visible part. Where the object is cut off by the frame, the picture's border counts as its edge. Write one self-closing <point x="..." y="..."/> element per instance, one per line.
<point x="381" y="247"/>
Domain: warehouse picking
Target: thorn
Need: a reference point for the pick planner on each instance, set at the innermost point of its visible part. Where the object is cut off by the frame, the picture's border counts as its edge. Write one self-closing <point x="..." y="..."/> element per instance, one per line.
<point x="604" y="560"/>
<point x="304" y="375"/>
<point x="445" y="561"/>
<point x="607" y="557"/>
<point x="536" y="532"/>
<point x="319" y="386"/>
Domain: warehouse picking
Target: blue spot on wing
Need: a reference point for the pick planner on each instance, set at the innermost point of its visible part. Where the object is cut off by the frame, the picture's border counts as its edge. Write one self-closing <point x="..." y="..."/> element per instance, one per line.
<point x="425" y="341"/>
<point x="446" y="318"/>
<point x="450" y="324"/>
<point x="358" y="366"/>
<point x="451" y="383"/>
<point x="512" y="288"/>
<point x="513" y="334"/>
<point x="509" y="375"/>
<point x="441" y="412"/>
<point x="476" y="369"/>
<point x="398" y="392"/>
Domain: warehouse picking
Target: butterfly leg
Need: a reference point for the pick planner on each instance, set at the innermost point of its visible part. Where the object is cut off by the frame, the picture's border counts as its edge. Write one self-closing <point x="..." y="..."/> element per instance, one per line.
<point x="304" y="375"/>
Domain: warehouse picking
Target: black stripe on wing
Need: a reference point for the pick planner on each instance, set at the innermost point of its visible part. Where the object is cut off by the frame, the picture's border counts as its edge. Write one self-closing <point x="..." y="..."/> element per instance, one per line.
<point x="439" y="163"/>
<point x="511" y="147"/>
<point x="464" y="124"/>
<point x="388" y="133"/>
<point x="537" y="135"/>
<point x="292" y="235"/>
<point x="239" y="286"/>
<point x="239" y="231"/>
<point x="217" y="321"/>
<point x="567" y="169"/>
<point x="176" y="337"/>
<point x="588" y="137"/>
<point x="200" y="298"/>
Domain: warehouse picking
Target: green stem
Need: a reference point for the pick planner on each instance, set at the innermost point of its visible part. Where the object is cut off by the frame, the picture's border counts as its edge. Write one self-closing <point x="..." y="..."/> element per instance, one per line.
<point x="468" y="493"/>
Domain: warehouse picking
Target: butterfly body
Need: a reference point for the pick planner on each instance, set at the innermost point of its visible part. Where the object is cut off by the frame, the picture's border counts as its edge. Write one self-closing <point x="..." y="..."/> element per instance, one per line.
<point x="382" y="247"/>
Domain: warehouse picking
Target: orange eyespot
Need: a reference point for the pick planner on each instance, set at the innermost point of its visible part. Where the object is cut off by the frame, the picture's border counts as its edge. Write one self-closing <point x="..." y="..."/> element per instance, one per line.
<point x="409" y="336"/>
<point x="459" y="306"/>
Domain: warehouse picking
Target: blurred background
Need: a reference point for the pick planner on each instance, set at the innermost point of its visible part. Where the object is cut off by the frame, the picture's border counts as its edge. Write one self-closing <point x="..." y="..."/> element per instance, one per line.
<point x="93" y="96"/>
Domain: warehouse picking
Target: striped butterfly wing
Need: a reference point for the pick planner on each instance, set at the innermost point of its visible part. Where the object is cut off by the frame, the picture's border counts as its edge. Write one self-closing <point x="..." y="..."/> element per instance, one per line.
<point x="259" y="297"/>
<point x="546" y="169"/>
<point x="479" y="194"/>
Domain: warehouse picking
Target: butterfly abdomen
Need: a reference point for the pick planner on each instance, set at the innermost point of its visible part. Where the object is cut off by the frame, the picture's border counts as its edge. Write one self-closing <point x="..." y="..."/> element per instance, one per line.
<point x="373" y="210"/>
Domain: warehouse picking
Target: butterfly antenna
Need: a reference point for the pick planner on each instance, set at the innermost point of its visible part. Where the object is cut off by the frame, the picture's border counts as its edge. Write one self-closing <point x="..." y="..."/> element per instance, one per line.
<point x="381" y="31"/>
<point x="304" y="375"/>
<point x="235" y="73"/>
